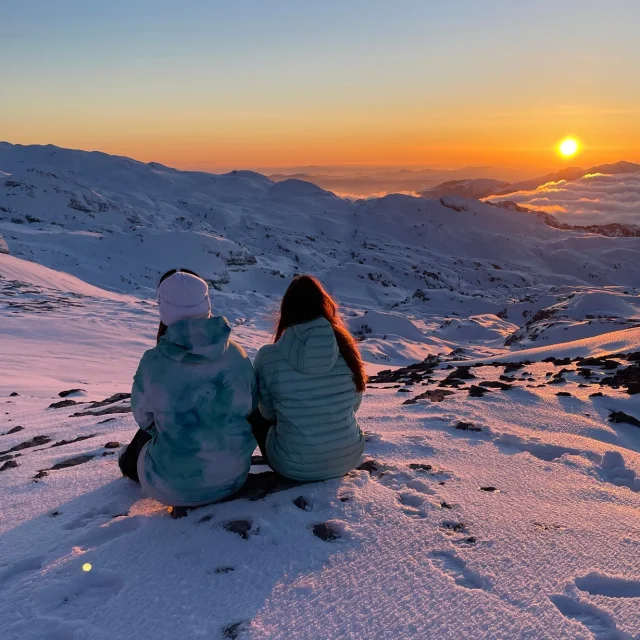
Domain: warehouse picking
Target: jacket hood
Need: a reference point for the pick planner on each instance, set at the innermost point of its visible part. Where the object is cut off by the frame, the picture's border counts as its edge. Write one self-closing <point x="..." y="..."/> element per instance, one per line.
<point x="310" y="347"/>
<point x="196" y="340"/>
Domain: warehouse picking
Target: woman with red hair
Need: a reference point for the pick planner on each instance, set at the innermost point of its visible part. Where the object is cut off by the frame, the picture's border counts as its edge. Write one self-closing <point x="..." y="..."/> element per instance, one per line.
<point x="310" y="385"/>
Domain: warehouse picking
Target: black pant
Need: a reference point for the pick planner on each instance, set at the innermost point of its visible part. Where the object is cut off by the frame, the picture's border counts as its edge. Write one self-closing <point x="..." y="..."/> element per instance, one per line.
<point x="128" y="461"/>
<point x="260" y="428"/>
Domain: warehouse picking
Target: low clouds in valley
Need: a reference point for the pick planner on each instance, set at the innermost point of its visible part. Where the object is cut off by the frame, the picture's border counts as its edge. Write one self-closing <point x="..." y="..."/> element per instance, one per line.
<point x="592" y="199"/>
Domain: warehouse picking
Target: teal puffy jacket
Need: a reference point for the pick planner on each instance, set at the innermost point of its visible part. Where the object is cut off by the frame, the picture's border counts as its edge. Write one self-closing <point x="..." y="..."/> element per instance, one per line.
<point x="192" y="393"/>
<point x="305" y="384"/>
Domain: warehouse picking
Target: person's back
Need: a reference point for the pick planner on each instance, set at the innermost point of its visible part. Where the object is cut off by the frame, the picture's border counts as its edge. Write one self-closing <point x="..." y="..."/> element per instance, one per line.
<point x="191" y="396"/>
<point x="306" y="386"/>
<point x="196" y="387"/>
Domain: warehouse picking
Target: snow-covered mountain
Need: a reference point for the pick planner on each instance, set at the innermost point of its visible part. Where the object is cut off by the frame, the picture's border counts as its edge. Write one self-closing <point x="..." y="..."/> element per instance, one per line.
<point x="118" y="224"/>
<point x="501" y="486"/>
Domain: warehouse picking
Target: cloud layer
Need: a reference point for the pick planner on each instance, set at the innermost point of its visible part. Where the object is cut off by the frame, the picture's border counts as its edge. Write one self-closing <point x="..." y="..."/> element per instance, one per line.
<point x="593" y="199"/>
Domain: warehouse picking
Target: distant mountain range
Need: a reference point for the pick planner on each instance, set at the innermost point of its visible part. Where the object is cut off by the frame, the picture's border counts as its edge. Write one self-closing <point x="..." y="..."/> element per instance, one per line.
<point x="483" y="187"/>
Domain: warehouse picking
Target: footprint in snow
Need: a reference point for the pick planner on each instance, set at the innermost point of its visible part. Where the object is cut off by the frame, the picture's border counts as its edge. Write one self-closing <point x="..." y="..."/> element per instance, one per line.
<point x="454" y="567"/>
<point x="86" y="590"/>
<point x="599" y="584"/>
<point x="25" y="565"/>
<point x="105" y="512"/>
<point x="597" y="621"/>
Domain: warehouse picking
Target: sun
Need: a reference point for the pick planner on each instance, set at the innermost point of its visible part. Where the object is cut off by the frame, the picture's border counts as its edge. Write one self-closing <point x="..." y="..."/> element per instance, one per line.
<point x="568" y="147"/>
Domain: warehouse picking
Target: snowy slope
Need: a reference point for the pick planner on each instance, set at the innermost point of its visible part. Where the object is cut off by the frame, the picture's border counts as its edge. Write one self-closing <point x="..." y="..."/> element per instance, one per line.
<point x="426" y="547"/>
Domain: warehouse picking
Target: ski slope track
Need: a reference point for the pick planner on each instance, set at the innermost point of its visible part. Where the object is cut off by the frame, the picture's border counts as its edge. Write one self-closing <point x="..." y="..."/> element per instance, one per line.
<point x="500" y="490"/>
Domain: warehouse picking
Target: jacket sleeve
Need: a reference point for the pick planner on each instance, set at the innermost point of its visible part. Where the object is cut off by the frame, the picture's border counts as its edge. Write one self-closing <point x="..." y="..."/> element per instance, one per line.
<point x="266" y="403"/>
<point x="358" y="402"/>
<point x="139" y="402"/>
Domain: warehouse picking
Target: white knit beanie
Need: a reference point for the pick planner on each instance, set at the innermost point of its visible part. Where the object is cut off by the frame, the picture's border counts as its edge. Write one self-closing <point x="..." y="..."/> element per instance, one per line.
<point x="182" y="296"/>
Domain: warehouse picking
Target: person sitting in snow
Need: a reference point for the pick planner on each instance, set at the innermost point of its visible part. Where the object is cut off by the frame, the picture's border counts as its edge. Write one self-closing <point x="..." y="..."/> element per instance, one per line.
<point x="191" y="397"/>
<point x="310" y="385"/>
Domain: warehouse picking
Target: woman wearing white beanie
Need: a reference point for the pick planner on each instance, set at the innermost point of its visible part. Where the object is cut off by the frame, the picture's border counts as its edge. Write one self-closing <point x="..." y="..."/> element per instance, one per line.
<point x="191" y="397"/>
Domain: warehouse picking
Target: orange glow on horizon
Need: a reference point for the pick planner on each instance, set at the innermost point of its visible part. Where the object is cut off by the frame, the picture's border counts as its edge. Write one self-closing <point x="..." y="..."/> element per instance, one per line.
<point x="253" y="141"/>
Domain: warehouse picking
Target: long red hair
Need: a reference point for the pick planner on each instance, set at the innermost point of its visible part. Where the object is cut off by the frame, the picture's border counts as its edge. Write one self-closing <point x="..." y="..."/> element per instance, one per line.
<point x="305" y="299"/>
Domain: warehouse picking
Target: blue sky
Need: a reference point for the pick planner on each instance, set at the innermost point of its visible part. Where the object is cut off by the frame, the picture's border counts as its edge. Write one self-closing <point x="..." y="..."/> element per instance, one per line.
<point x="282" y="79"/>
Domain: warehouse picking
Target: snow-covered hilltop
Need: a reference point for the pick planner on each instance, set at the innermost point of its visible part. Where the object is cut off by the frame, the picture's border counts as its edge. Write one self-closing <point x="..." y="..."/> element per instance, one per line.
<point x="118" y="224"/>
<point x="500" y="492"/>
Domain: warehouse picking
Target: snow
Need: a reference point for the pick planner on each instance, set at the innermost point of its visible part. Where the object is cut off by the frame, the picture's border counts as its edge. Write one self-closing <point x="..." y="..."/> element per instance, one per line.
<point x="421" y="551"/>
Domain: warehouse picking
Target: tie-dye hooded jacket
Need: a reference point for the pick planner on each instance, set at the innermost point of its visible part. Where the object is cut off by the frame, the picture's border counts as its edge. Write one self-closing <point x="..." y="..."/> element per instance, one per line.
<point x="192" y="393"/>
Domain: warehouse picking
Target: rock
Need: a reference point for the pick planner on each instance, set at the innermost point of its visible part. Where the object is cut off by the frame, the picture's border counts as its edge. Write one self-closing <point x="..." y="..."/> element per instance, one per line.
<point x="602" y="361"/>
<point x="325" y="532"/>
<point x="14" y="430"/>
<point x="36" y="441"/>
<point x="234" y="630"/>
<point x="301" y="503"/>
<point x="456" y="527"/>
<point x="420" y="466"/>
<point x="54" y="514"/>
<point x="103" y="412"/>
<point x="369" y="465"/>
<point x="112" y="444"/>
<point x="477" y="392"/>
<point x="68" y="392"/>
<point x="257" y="460"/>
<point x="628" y="378"/>
<point x="495" y="384"/>
<point x="433" y="395"/>
<point x="13" y="394"/>
<point x="461" y="373"/>
<point x="71" y="462"/>
<point x="41" y="474"/>
<point x="597" y="394"/>
<point x="116" y="397"/>
<point x="620" y="416"/>
<point x="225" y="569"/>
<point x="61" y="443"/>
<point x="414" y="372"/>
<point x="446" y="505"/>
<point x="488" y="489"/>
<point x="563" y="394"/>
<point x="558" y="380"/>
<point x="467" y="426"/>
<point x="239" y="527"/>
<point x="62" y="403"/>
<point x="6" y="457"/>
<point x="469" y="540"/>
<point x="9" y="464"/>
<point x="558" y="361"/>
<point x="404" y="391"/>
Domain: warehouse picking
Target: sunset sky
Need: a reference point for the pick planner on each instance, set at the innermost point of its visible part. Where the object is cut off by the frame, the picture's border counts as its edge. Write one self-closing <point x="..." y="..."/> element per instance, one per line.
<point x="217" y="85"/>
